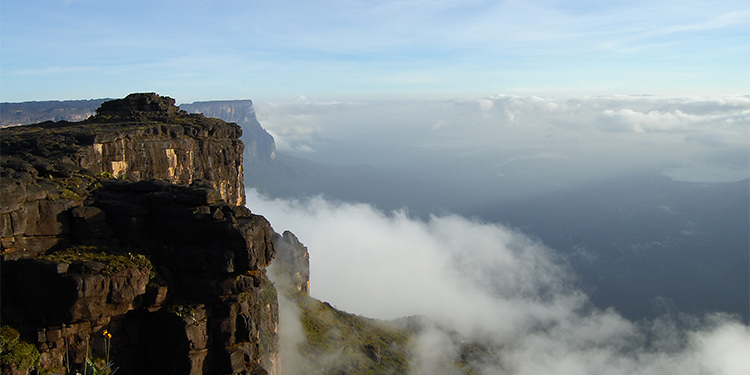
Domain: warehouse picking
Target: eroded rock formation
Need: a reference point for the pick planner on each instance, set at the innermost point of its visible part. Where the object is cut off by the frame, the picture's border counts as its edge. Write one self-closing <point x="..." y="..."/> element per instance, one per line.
<point x="292" y="261"/>
<point x="132" y="224"/>
<point x="48" y="168"/>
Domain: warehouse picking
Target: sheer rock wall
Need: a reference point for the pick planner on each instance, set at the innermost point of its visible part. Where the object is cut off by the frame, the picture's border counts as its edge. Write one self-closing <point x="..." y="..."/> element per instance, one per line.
<point x="132" y="224"/>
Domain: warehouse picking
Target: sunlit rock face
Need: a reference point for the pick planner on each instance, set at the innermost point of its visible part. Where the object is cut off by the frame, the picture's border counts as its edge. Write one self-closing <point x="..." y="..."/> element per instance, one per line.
<point x="132" y="225"/>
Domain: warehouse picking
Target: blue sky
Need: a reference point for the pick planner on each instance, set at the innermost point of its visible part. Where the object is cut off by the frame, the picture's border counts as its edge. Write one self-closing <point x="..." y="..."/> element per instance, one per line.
<point x="203" y="50"/>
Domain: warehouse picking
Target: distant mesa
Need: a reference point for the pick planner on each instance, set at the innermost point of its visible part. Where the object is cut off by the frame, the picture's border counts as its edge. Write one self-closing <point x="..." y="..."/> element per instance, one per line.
<point x="24" y="113"/>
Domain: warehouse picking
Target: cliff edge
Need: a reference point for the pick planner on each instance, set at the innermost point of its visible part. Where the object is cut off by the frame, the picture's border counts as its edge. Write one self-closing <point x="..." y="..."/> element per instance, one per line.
<point x="125" y="238"/>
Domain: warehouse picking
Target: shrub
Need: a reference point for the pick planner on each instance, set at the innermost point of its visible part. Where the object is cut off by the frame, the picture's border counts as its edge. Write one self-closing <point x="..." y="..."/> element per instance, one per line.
<point x="16" y="353"/>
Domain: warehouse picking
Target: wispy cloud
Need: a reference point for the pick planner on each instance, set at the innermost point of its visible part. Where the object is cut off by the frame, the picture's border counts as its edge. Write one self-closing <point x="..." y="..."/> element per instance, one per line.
<point x="387" y="47"/>
<point x="492" y="284"/>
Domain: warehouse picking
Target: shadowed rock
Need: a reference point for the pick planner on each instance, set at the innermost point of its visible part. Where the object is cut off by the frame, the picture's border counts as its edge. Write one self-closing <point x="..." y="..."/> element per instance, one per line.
<point x="133" y="222"/>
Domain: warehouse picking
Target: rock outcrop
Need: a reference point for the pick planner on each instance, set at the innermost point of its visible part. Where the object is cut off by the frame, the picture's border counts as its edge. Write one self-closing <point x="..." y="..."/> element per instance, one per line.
<point x="292" y="261"/>
<point x="48" y="167"/>
<point x="125" y="237"/>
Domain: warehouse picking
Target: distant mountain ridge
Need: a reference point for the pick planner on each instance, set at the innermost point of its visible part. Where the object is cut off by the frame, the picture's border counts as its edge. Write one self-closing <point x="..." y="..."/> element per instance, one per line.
<point x="259" y="145"/>
<point x="24" y="113"/>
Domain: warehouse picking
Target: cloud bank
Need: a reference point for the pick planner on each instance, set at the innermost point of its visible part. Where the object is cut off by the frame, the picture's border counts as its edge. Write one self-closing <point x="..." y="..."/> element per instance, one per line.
<point x="591" y="137"/>
<point x="491" y="284"/>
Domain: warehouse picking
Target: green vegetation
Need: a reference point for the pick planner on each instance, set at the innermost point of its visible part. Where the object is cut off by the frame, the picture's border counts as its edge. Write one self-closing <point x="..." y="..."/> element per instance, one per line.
<point x="15" y="352"/>
<point x="337" y="342"/>
<point x="113" y="262"/>
<point x="78" y="186"/>
<point x="92" y="368"/>
<point x="185" y="311"/>
<point x="268" y="299"/>
<point x="268" y="293"/>
<point x="350" y="344"/>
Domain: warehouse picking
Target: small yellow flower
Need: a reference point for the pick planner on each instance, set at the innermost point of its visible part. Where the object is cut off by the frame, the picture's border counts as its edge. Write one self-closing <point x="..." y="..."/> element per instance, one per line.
<point x="109" y="336"/>
<point x="105" y="333"/>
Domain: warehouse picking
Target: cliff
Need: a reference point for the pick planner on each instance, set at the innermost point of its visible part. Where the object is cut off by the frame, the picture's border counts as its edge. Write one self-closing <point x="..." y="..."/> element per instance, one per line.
<point x="292" y="262"/>
<point x="259" y="145"/>
<point x="125" y="238"/>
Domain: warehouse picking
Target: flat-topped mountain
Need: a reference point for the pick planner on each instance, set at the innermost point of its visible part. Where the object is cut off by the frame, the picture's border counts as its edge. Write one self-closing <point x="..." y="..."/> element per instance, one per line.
<point x="24" y="113"/>
<point x="125" y="237"/>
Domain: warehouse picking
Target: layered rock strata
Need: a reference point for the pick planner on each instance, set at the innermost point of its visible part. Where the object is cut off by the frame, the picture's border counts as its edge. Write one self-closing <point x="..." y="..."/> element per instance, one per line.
<point x="48" y="167"/>
<point x="162" y="270"/>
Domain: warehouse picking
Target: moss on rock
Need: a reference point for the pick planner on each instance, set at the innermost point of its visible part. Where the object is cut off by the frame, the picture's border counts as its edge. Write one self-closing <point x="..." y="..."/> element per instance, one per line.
<point x="113" y="263"/>
<point x="15" y="352"/>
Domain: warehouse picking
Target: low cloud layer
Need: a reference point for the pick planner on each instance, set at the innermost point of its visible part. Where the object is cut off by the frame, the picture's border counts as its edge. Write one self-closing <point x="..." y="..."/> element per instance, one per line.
<point x="597" y="136"/>
<point x="494" y="285"/>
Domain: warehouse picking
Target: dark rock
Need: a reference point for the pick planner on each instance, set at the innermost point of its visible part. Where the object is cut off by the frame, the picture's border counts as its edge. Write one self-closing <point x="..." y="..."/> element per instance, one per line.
<point x="22" y="246"/>
<point x="44" y="266"/>
<point x="87" y="266"/>
<point x="25" y="219"/>
<point x="88" y="214"/>
<point x="162" y="197"/>
<point x="6" y="227"/>
<point x="12" y="194"/>
<point x="35" y="192"/>
<point x="207" y="305"/>
<point x="241" y="212"/>
<point x="54" y="218"/>
<point x="139" y="107"/>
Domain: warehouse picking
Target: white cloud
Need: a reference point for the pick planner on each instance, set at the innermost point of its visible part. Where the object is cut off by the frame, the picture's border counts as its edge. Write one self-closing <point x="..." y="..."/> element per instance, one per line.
<point x="724" y="349"/>
<point x="628" y="120"/>
<point x="485" y="104"/>
<point x="598" y="135"/>
<point x="489" y="283"/>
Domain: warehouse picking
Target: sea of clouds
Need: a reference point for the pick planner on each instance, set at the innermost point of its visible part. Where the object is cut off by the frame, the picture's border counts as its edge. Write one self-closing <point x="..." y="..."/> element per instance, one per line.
<point x="492" y="285"/>
<point x="578" y="139"/>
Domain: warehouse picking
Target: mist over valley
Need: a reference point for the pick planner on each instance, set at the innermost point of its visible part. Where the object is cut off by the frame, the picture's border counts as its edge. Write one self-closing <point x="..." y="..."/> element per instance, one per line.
<point x="615" y="223"/>
<point x="649" y="214"/>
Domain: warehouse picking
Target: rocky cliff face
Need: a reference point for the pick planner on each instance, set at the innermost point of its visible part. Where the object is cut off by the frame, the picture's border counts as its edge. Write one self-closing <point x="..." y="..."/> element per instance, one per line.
<point x="139" y="137"/>
<point x="259" y="145"/>
<point x="161" y="270"/>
